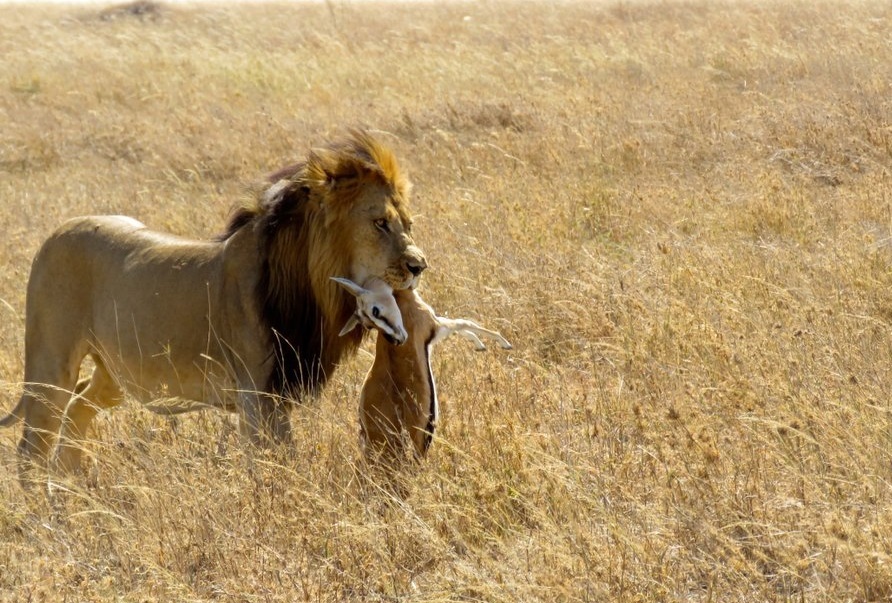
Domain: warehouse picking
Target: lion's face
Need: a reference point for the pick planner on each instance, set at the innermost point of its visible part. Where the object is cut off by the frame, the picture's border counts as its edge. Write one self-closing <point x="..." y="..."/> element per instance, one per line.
<point x="383" y="244"/>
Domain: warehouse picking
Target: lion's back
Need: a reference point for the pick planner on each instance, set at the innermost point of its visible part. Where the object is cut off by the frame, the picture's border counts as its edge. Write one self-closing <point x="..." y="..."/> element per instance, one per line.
<point x="91" y="262"/>
<point x="64" y="267"/>
<point x="140" y="297"/>
<point x="99" y="252"/>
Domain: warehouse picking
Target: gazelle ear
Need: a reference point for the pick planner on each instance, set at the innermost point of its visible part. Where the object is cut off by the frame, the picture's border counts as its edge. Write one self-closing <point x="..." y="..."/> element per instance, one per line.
<point x="350" y="286"/>
<point x="351" y="324"/>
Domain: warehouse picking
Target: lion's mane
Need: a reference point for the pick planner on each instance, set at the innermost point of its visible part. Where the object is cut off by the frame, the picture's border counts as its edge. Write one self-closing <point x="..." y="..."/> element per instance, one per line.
<point x="300" y="246"/>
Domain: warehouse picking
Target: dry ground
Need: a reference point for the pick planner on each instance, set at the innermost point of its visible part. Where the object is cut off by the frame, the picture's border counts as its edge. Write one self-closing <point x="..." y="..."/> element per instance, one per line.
<point x="679" y="212"/>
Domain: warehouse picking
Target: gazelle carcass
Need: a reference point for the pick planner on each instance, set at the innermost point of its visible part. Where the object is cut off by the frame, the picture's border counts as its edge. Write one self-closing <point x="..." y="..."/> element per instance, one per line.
<point x="399" y="394"/>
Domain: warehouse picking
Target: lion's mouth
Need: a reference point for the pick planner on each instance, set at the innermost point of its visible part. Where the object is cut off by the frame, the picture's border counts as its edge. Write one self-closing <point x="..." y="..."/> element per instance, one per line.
<point x="400" y="280"/>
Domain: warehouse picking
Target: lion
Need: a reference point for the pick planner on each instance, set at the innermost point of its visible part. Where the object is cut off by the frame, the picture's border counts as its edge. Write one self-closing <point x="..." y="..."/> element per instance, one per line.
<point x="247" y="322"/>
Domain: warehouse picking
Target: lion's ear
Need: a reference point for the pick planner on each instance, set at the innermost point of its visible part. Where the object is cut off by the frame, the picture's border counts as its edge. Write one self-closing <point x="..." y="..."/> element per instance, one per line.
<point x="321" y="171"/>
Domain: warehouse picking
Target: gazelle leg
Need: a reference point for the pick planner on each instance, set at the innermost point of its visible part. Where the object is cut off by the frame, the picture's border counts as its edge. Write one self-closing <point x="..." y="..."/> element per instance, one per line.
<point x="469" y="330"/>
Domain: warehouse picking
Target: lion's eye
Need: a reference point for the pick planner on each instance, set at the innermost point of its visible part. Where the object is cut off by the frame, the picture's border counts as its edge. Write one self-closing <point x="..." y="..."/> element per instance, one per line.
<point x="376" y="312"/>
<point x="382" y="225"/>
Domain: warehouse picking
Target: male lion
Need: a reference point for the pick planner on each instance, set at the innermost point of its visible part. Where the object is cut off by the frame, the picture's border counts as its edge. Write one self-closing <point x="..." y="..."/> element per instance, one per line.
<point x="241" y="322"/>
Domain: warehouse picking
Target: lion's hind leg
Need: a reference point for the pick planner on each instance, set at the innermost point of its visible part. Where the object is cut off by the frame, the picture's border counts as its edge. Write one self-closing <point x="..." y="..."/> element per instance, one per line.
<point x="95" y="393"/>
<point x="43" y="404"/>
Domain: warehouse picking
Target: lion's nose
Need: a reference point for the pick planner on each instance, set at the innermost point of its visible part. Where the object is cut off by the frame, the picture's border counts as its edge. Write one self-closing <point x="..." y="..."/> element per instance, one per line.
<point x="416" y="266"/>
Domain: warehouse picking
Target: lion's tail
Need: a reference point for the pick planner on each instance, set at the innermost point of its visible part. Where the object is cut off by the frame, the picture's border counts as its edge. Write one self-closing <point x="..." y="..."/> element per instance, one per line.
<point x="15" y="415"/>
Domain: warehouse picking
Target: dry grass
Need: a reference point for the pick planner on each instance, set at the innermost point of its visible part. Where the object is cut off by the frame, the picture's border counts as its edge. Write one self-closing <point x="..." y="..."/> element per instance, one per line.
<point x="678" y="212"/>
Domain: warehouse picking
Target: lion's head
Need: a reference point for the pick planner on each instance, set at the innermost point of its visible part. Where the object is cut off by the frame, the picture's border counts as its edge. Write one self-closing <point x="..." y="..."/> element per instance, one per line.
<point x="363" y="206"/>
<point x="343" y="212"/>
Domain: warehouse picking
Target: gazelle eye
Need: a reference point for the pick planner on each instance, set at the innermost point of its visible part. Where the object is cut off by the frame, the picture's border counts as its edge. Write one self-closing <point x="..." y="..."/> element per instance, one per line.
<point x="382" y="225"/>
<point x="376" y="312"/>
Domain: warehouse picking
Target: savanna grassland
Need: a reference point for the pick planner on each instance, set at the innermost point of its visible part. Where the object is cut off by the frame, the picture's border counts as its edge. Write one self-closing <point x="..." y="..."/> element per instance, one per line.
<point x="678" y="212"/>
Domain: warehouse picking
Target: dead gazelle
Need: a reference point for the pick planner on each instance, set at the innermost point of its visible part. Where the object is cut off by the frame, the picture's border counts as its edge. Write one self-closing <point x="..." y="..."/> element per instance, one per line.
<point x="375" y="309"/>
<point x="399" y="393"/>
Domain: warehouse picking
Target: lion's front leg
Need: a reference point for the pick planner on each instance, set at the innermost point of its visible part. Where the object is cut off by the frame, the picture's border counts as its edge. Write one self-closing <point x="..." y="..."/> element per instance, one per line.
<point x="263" y="417"/>
<point x="264" y="420"/>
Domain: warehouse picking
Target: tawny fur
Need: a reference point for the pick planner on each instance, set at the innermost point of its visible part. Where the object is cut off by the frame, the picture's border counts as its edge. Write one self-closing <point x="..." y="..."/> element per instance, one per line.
<point x="242" y="322"/>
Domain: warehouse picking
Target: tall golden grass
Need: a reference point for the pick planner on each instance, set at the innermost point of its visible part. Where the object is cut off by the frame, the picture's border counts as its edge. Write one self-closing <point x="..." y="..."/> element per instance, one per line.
<point x="679" y="213"/>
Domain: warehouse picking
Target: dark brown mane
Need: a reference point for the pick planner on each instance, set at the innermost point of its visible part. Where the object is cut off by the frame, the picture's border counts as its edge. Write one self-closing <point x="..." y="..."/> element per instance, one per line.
<point x="304" y="311"/>
<point x="240" y="218"/>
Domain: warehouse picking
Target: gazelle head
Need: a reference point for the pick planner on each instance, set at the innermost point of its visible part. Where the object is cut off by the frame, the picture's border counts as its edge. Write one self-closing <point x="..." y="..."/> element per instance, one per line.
<point x="375" y="309"/>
